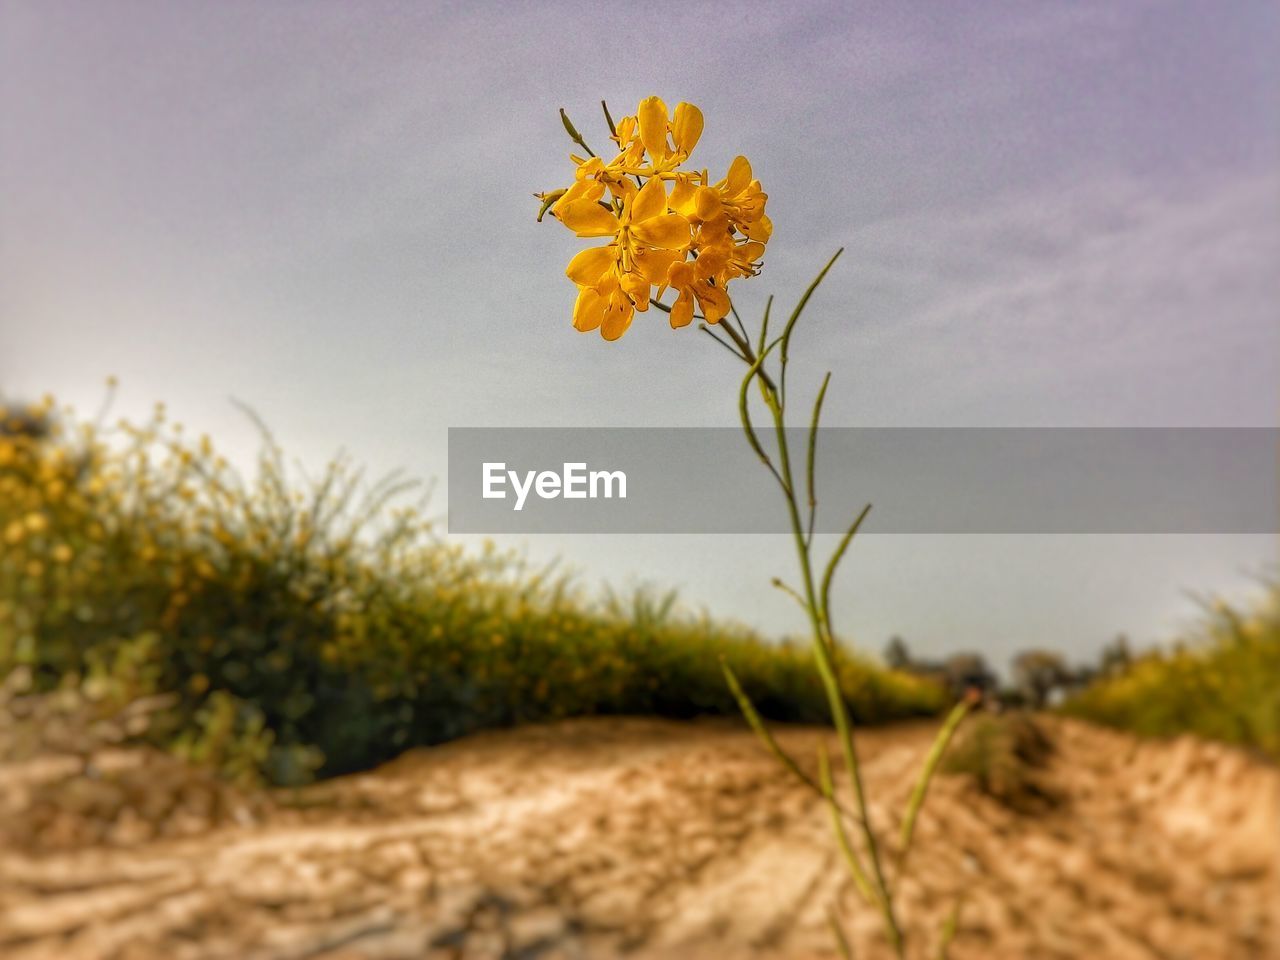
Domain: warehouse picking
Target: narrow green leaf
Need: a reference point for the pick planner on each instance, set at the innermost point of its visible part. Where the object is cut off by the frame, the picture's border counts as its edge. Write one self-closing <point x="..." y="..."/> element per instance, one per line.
<point x="850" y="855"/>
<point x="829" y="575"/>
<point x="934" y="757"/>
<point x="813" y="452"/>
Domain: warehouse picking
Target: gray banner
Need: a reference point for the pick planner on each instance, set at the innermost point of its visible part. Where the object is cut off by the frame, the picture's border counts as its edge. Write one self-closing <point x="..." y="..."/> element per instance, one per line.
<point x="919" y="480"/>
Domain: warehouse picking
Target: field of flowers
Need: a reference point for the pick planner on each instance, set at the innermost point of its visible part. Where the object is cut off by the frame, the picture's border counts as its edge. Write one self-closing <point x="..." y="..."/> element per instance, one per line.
<point x="1223" y="682"/>
<point x="314" y="626"/>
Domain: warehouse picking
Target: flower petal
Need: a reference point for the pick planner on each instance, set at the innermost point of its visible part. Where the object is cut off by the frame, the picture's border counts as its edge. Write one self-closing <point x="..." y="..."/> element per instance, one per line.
<point x="682" y="311"/>
<point x="760" y="229"/>
<point x="652" y="117"/>
<point x="625" y="131"/>
<point x="681" y="199"/>
<point x="636" y="287"/>
<point x="588" y="311"/>
<point x="587" y="218"/>
<point x="650" y="202"/>
<point x="581" y="190"/>
<point x="739" y="177"/>
<point x="588" y="266"/>
<point x="681" y="274"/>
<point x="669" y="232"/>
<point x="686" y="127"/>
<point x="589" y="168"/>
<point x="714" y="302"/>
<point x="716" y="232"/>
<point x="616" y="319"/>
<point x="711" y="261"/>
<point x="654" y="264"/>
<point x="706" y="203"/>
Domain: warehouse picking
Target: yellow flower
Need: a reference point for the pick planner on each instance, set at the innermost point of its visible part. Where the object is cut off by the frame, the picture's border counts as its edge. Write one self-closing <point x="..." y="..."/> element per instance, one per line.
<point x="614" y="280"/>
<point x="724" y="261"/>
<point x="685" y="128"/>
<point x="691" y="284"/>
<point x="585" y="187"/>
<point x="695" y="240"/>
<point x="631" y="148"/>
<point x="644" y="219"/>
<point x="738" y="200"/>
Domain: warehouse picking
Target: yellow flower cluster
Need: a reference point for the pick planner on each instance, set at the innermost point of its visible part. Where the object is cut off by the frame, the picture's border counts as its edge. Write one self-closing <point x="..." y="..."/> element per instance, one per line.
<point x="668" y="228"/>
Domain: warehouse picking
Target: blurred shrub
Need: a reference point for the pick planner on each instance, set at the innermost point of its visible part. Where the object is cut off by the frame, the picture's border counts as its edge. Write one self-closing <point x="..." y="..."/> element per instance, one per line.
<point x="67" y="783"/>
<point x="1003" y="755"/>
<point x="320" y="626"/>
<point x="1223" y="682"/>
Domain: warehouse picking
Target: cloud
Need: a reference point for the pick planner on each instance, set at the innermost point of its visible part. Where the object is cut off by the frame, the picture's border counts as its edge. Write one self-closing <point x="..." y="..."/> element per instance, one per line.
<point x="1158" y="297"/>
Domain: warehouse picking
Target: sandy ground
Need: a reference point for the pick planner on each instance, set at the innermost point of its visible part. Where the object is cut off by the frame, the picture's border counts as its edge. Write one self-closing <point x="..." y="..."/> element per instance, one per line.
<point x="640" y="838"/>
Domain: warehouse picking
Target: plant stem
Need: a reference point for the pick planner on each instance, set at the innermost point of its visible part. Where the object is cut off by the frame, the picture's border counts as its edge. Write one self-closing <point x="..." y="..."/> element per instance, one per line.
<point x="958" y="713"/>
<point x="830" y="681"/>
<point x="814" y="596"/>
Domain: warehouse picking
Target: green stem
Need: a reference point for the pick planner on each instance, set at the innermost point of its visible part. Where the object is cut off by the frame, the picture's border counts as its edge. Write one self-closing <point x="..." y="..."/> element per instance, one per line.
<point x="574" y="135"/>
<point x="758" y="726"/>
<point x="842" y="942"/>
<point x="842" y="835"/>
<point x="749" y="355"/>
<point x="724" y="343"/>
<point x="940" y="742"/>
<point x="830" y="681"/>
<point x="816" y="603"/>
<point x="949" y="928"/>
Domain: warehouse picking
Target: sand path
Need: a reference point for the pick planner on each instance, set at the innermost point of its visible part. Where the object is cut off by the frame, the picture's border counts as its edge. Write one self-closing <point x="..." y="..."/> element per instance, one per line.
<point x="648" y="839"/>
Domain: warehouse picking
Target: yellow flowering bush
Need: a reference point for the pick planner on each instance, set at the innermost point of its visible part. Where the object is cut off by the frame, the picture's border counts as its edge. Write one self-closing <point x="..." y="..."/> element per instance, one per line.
<point x="322" y="626"/>
<point x="1222" y="683"/>
<point x="667" y="228"/>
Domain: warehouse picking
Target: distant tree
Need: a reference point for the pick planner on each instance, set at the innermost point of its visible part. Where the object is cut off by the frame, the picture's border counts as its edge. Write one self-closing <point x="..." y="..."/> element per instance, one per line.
<point x="1115" y="658"/>
<point x="959" y="673"/>
<point x="1038" y="673"/>
<point x="1081" y="677"/>
<point x="969" y="671"/>
<point x="896" y="654"/>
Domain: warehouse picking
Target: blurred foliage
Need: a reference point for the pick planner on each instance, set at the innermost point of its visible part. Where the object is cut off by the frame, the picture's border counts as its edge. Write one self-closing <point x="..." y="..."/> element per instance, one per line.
<point x="1038" y="673"/>
<point x="319" y="626"/>
<point x="1222" y="682"/>
<point x="1003" y="755"/>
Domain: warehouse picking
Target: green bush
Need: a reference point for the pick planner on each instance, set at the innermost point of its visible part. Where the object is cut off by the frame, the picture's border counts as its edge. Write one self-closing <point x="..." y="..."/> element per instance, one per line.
<point x="322" y="625"/>
<point x="1223" y="682"/>
<point x="1003" y="755"/>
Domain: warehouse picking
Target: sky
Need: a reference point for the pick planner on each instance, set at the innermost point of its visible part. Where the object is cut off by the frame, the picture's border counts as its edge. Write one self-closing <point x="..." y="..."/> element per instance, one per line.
<point x="1053" y="215"/>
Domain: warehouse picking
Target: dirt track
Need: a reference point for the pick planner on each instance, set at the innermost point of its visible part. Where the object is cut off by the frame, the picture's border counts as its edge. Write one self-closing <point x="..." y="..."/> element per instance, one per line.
<point x="595" y="838"/>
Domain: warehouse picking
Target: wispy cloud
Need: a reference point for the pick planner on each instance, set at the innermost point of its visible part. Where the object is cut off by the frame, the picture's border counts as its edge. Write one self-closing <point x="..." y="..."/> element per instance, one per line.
<point x="1144" y="302"/>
